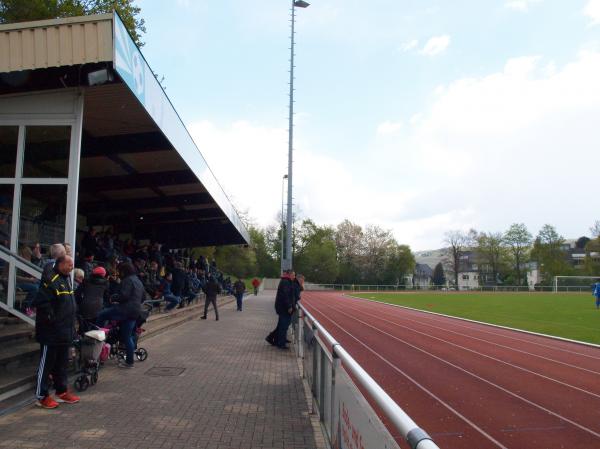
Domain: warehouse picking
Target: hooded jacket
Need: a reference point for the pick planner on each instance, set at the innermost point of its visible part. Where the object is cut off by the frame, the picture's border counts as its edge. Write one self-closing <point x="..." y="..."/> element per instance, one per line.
<point x="56" y="311"/>
<point x="90" y="296"/>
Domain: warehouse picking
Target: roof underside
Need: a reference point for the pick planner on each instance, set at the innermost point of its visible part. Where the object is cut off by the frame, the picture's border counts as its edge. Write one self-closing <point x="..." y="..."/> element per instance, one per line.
<point x="131" y="176"/>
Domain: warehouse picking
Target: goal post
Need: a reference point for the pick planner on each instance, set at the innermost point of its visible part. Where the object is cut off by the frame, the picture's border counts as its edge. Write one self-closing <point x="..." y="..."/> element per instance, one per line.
<point x="578" y="281"/>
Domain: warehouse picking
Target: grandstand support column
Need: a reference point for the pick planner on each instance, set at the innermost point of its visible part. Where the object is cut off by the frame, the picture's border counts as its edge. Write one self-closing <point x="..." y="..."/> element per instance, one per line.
<point x="73" y="182"/>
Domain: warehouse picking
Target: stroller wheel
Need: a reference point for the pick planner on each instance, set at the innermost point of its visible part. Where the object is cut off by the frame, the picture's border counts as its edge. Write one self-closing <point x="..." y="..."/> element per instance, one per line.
<point x="94" y="378"/>
<point x="141" y="354"/>
<point x="82" y="383"/>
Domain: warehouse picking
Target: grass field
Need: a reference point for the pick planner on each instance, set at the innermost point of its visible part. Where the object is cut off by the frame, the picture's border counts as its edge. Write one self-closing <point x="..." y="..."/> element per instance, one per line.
<point x="568" y="315"/>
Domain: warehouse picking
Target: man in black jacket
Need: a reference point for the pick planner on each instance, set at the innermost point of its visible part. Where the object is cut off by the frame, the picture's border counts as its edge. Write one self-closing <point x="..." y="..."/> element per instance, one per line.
<point x="55" y="331"/>
<point x="211" y="290"/>
<point x="284" y="306"/>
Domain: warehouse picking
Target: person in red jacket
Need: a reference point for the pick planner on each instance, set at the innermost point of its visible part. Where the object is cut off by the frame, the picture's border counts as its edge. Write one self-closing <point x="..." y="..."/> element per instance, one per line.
<point x="255" y="284"/>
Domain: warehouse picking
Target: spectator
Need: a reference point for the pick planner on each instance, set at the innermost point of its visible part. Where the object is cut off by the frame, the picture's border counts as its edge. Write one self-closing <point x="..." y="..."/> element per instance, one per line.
<point x="140" y="268"/>
<point x="36" y="256"/>
<point x="87" y="263"/>
<point x="56" y="251"/>
<point x="78" y="277"/>
<point x="127" y="310"/>
<point x="211" y="290"/>
<point x="89" y="243"/>
<point x="255" y="284"/>
<point x="156" y="254"/>
<point x="239" y="288"/>
<point x="27" y="283"/>
<point x="152" y="281"/>
<point x="54" y="330"/>
<point x="68" y="249"/>
<point x="167" y="292"/>
<point x="91" y="295"/>
<point x="284" y="306"/>
<point x="180" y="286"/>
<point x="597" y="294"/>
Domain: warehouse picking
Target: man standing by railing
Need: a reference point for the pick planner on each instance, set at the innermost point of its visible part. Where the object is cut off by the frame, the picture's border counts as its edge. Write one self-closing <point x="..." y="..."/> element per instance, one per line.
<point x="284" y="306"/>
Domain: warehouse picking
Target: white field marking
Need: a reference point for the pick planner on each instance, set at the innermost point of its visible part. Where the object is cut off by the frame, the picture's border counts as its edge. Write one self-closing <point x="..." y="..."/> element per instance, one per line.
<point x="537" y="334"/>
<point x="480" y="353"/>
<point x="502" y="346"/>
<point x="423" y="388"/>
<point x="557" y="415"/>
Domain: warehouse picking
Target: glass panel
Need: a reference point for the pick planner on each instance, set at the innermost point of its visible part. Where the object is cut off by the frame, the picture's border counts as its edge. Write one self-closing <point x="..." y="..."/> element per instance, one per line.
<point x="3" y="280"/>
<point x="9" y="136"/>
<point x="42" y="219"/>
<point x="46" y="151"/>
<point x="26" y="288"/>
<point x="6" y="210"/>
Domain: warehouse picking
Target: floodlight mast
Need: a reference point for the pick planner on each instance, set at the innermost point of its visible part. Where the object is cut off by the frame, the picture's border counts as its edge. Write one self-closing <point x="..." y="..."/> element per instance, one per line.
<point x="287" y="262"/>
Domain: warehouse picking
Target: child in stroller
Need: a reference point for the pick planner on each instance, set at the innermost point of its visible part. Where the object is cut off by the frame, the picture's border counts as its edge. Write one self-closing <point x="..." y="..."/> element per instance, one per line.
<point x="117" y="349"/>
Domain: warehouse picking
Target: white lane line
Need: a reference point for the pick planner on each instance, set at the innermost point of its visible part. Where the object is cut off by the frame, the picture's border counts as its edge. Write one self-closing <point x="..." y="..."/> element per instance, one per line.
<point x="480" y="353"/>
<point x="457" y="319"/>
<point x="534" y="404"/>
<point x="423" y="388"/>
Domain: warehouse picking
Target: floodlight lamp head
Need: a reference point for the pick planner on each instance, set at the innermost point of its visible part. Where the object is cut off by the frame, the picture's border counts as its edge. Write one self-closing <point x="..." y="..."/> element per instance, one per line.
<point x="301" y="4"/>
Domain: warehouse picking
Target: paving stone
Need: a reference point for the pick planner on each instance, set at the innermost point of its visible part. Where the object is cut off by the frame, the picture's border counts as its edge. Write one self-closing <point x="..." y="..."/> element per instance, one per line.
<point x="226" y="389"/>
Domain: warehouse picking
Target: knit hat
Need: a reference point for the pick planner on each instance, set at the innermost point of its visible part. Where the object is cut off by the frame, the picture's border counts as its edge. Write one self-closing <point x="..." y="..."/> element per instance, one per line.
<point x="99" y="271"/>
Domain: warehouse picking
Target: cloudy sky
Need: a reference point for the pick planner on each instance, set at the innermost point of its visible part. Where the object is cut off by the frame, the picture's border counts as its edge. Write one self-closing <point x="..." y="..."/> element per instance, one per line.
<point x="417" y="115"/>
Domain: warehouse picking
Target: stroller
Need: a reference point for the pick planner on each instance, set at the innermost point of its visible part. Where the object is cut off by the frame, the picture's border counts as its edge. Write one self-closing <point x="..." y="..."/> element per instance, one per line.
<point x="89" y="348"/>
<point x="117" y="349"/>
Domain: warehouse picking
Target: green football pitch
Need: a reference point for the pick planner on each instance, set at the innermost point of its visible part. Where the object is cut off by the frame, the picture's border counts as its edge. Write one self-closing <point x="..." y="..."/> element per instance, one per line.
<point x="568" y="315"/>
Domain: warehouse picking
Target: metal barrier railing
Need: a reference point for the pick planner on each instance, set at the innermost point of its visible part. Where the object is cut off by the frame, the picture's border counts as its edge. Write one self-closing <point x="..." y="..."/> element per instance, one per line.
<point x="374" y="288"/>
<point x="326" y="365"/>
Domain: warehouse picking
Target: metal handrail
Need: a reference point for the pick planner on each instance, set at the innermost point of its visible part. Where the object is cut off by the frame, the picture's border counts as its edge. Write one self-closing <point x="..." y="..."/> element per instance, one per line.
<point x="22" y="263"/>
<point x="416" y="437"/>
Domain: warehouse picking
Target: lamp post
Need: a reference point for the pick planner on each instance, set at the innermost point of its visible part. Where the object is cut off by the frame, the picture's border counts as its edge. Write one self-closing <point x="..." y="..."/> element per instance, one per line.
<point x="282" y="224"/>
<point x="287" y="262"/>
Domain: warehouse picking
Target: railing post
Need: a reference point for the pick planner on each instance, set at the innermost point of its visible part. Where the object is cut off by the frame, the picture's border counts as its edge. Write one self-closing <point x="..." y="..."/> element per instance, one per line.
<point x="322" y="365"/>
<point x="335" y="366"/>
<point x="301" y="337"/>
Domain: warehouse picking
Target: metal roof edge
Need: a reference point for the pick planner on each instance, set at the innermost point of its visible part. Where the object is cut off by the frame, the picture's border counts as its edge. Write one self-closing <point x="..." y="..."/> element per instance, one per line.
<point x="55" y="22"/>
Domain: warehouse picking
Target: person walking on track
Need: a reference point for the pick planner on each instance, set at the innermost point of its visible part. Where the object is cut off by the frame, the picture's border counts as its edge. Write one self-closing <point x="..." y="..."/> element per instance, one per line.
<point x="211" y="290"/>
<point x="55" y="331"/>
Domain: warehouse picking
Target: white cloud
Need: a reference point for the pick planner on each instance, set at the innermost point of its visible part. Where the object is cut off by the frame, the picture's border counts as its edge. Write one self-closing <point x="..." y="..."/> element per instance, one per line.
<point x="436" y="45"/>
<point x="520" y="5"/>
<point x="388" y="128"/>
<point x="517" y="145"/>
<point x="409" y="45"/>
<point x="592" y="10"/>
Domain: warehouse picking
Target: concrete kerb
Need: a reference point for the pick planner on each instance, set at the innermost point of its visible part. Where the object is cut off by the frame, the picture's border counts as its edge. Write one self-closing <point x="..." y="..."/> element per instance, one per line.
<point x="553" y="337"/>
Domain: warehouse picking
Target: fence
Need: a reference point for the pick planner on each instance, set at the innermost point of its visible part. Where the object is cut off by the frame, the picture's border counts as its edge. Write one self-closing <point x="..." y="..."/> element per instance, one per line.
<point x="403" y="288"/>
<point x="347" y="418"/>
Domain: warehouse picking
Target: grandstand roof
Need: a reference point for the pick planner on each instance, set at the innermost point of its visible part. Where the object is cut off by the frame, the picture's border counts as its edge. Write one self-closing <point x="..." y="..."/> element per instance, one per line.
<point x="140" y="168"/>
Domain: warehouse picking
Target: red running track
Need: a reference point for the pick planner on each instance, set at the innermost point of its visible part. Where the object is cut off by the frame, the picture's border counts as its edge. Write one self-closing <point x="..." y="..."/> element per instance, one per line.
<point x="471" y="386"/>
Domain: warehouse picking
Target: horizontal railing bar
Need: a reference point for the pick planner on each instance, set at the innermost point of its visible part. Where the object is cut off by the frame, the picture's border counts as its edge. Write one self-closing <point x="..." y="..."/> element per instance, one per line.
<point x="403" y="423"/>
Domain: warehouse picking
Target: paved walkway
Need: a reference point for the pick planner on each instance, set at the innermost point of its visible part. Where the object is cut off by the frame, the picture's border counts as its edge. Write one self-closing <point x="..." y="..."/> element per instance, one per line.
<point x="234" y="391"/>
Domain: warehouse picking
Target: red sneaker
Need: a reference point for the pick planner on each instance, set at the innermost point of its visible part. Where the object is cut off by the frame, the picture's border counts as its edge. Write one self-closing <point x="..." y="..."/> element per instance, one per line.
<point x="47" y="402"/>
<point x="67" y="397"/>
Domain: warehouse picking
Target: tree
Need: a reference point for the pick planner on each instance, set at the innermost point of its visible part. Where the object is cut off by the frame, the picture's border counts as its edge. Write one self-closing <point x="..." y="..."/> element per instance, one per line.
<point x="26" y="10"/>
<point x="548" y="253"/>
<point x="236" y="260"/>
<point x="490" y="254"/>
<point x="316" y="255"/>
<point x="377" y="245"/>
<point x="458" y="242"/>
<point x="439" y="278"/>
<point x="349" y="245"/>
<point x="400" y="261"/>
<point x="267" y="264"/>
<point x="581" y="242"/>
<point x="518" y="240"/>
<point x="595" y="229"/>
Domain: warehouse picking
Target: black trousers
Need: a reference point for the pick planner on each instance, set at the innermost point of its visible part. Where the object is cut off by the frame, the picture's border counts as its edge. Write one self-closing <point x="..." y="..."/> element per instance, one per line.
<point x="212" y="301"/>
<point x="54" y="360"/>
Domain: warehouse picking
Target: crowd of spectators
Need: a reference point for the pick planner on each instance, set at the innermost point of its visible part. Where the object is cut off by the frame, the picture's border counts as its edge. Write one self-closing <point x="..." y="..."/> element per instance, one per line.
<point x="169" y="276"/>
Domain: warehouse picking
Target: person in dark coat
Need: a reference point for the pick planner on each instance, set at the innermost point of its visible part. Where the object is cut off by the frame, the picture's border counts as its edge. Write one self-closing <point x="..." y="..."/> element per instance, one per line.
<point x="285" y="305"/>
<point x="127" y="310"/>
<point x="211" y="290"/>
<point x="91" y="296"/>
<point x="55" y="332"/>
<point x="239" y="288"/>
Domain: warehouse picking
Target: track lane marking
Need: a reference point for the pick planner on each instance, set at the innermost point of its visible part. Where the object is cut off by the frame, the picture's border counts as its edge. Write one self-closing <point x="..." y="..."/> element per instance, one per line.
<point x="505" y="390"/>
<point x="480" y="353"/>
<point x="457" y="322"/>
<point x="423" y="388"/>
